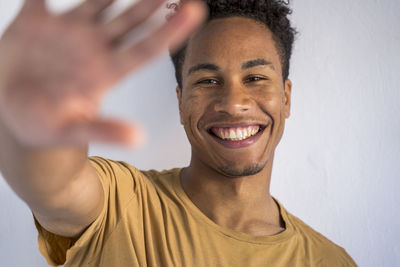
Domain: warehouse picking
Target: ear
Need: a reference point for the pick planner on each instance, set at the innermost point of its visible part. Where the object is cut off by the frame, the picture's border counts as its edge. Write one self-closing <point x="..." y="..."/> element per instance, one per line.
<point x="287" y="97"/>
<point x="179" y="96"/>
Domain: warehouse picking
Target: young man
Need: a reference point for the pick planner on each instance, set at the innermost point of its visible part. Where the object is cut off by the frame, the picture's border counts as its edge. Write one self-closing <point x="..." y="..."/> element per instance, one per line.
<point x="234" y="96"/>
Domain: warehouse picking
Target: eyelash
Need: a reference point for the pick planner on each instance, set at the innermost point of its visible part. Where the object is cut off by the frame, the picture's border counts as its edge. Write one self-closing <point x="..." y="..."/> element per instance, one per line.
<point x="206" y="81"/>
<point x="259" y="78"/>
<point x="248" y="79"/>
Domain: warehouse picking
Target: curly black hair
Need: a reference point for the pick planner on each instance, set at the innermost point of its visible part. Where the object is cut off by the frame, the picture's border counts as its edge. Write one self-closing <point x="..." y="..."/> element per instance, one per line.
<point x="272" y="13"/>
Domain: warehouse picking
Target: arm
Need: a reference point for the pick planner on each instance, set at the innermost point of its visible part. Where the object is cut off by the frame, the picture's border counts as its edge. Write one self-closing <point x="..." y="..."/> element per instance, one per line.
<point x="59" y="184"/>
<point x="54" y="71"/>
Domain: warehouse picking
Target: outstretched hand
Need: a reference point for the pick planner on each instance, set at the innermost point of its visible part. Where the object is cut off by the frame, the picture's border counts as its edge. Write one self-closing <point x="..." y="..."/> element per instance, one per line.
<point x="55" y="69"/>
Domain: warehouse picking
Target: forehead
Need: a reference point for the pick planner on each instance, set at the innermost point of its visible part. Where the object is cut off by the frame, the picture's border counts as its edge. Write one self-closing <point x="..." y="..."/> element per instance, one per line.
<point x="229" y="42"/>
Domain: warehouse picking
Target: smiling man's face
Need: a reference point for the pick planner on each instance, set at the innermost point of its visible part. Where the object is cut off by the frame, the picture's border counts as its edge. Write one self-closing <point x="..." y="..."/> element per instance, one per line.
<point x="234" y="101"/>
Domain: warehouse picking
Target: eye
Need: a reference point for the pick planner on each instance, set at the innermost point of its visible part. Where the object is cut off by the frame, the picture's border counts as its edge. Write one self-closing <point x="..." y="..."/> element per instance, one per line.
<point x="207" y="82"/>
<point x="255" y="79"/>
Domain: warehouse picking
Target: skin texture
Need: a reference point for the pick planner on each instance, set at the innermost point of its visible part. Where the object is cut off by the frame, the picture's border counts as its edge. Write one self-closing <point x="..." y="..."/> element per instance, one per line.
<point x="50" y="94"/>
<point x="231" y="186"/>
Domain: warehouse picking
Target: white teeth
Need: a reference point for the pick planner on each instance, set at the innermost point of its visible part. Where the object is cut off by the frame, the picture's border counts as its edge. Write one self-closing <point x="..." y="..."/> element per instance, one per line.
<point x="232" y="134"/>
<point x="236" y="134"/>
<point x="240" y="134"/>
<point x="225" y="135"/>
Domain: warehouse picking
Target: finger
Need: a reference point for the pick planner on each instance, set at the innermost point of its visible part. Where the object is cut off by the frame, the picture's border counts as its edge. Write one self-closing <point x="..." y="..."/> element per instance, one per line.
<point x="90" y="9"/>
<point x="105" y="131"/>
<point x="34" y="5"/>
<point x="131" y="18"/>
<point x="172" y="34"/>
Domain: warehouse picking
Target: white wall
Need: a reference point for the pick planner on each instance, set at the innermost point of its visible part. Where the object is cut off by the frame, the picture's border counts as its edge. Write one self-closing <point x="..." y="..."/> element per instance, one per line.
<point x="337" y="166"/>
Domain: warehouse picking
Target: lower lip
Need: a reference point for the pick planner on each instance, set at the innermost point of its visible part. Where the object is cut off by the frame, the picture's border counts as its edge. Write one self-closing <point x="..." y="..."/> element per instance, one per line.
<point x="239" y="144"/>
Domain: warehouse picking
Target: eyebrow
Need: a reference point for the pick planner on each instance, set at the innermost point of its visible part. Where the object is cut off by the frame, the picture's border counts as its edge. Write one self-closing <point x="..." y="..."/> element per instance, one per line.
<point x="255" y="63"/>
<point x="247" y="65"/>
<point x="203" y="66"/>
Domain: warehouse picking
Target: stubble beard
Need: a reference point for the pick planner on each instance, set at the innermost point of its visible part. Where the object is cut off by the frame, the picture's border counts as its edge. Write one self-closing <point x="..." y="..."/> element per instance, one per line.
<point x="230" y="170"/>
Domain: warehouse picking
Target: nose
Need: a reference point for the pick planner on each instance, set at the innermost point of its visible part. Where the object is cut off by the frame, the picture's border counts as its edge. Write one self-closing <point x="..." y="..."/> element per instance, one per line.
<point x="233" y="99"/>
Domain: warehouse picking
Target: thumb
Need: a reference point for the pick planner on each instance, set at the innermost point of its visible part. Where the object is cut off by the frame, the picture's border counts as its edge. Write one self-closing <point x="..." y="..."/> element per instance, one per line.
<point x="105" y="131"/>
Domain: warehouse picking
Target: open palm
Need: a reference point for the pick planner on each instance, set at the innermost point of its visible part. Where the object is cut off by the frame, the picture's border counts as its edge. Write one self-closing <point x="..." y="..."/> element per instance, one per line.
<point x="54" y="69"/>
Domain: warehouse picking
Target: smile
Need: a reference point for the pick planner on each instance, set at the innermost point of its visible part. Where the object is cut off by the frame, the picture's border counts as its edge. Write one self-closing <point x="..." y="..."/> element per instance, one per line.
<point x="237" y="133"/>
<point x="236" y="136"/>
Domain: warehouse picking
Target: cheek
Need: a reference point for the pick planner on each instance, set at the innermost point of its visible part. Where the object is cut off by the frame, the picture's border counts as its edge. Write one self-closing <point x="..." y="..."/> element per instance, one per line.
<point x="191" y="109"/>
<point x="272" y="104"/>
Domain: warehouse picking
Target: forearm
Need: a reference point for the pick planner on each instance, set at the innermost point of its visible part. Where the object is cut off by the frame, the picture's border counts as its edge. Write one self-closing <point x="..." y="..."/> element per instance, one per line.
<point x="39" y="175"/>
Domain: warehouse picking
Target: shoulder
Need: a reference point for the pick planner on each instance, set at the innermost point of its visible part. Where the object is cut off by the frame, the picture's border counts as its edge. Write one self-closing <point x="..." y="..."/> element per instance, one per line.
<point x="165" y="181"/>
<point x="119" y="179"/>
<point x="318" y="248"/>
<point x="110" y="169"/>
<point x="119" y="172"/>
<point x="130" y="179"/>
<point x="161" y="176"/>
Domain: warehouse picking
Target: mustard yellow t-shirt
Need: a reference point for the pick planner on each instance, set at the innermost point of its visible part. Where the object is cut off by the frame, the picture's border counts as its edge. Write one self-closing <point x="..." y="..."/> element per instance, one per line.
<point x="148" y="220"/>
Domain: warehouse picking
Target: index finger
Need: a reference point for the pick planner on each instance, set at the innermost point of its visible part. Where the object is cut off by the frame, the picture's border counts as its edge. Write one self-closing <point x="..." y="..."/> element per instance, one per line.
<point x="90" y="9"/>
<point x="34" y="5"/>
<point x="170" y="35"/>
<point x="132" y="17"/>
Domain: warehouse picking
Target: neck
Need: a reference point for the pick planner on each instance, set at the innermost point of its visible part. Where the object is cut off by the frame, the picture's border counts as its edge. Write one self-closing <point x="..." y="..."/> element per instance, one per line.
<point x="243" y="203"/>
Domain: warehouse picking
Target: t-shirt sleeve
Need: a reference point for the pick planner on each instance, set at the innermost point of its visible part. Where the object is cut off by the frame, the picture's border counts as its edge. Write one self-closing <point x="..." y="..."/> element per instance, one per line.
<point x="118" y="181"/>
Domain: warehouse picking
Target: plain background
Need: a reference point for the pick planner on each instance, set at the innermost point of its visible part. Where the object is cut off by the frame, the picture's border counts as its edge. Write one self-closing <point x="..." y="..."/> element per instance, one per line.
<point x="337" y="167"/>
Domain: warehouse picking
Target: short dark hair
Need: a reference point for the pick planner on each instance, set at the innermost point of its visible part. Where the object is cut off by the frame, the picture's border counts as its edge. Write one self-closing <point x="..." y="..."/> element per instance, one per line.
<point x="272" y="13"/>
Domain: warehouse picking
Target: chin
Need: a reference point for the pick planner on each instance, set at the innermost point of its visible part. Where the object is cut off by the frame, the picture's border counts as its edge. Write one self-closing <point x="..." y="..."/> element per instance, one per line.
<point x="233" y="171"/>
